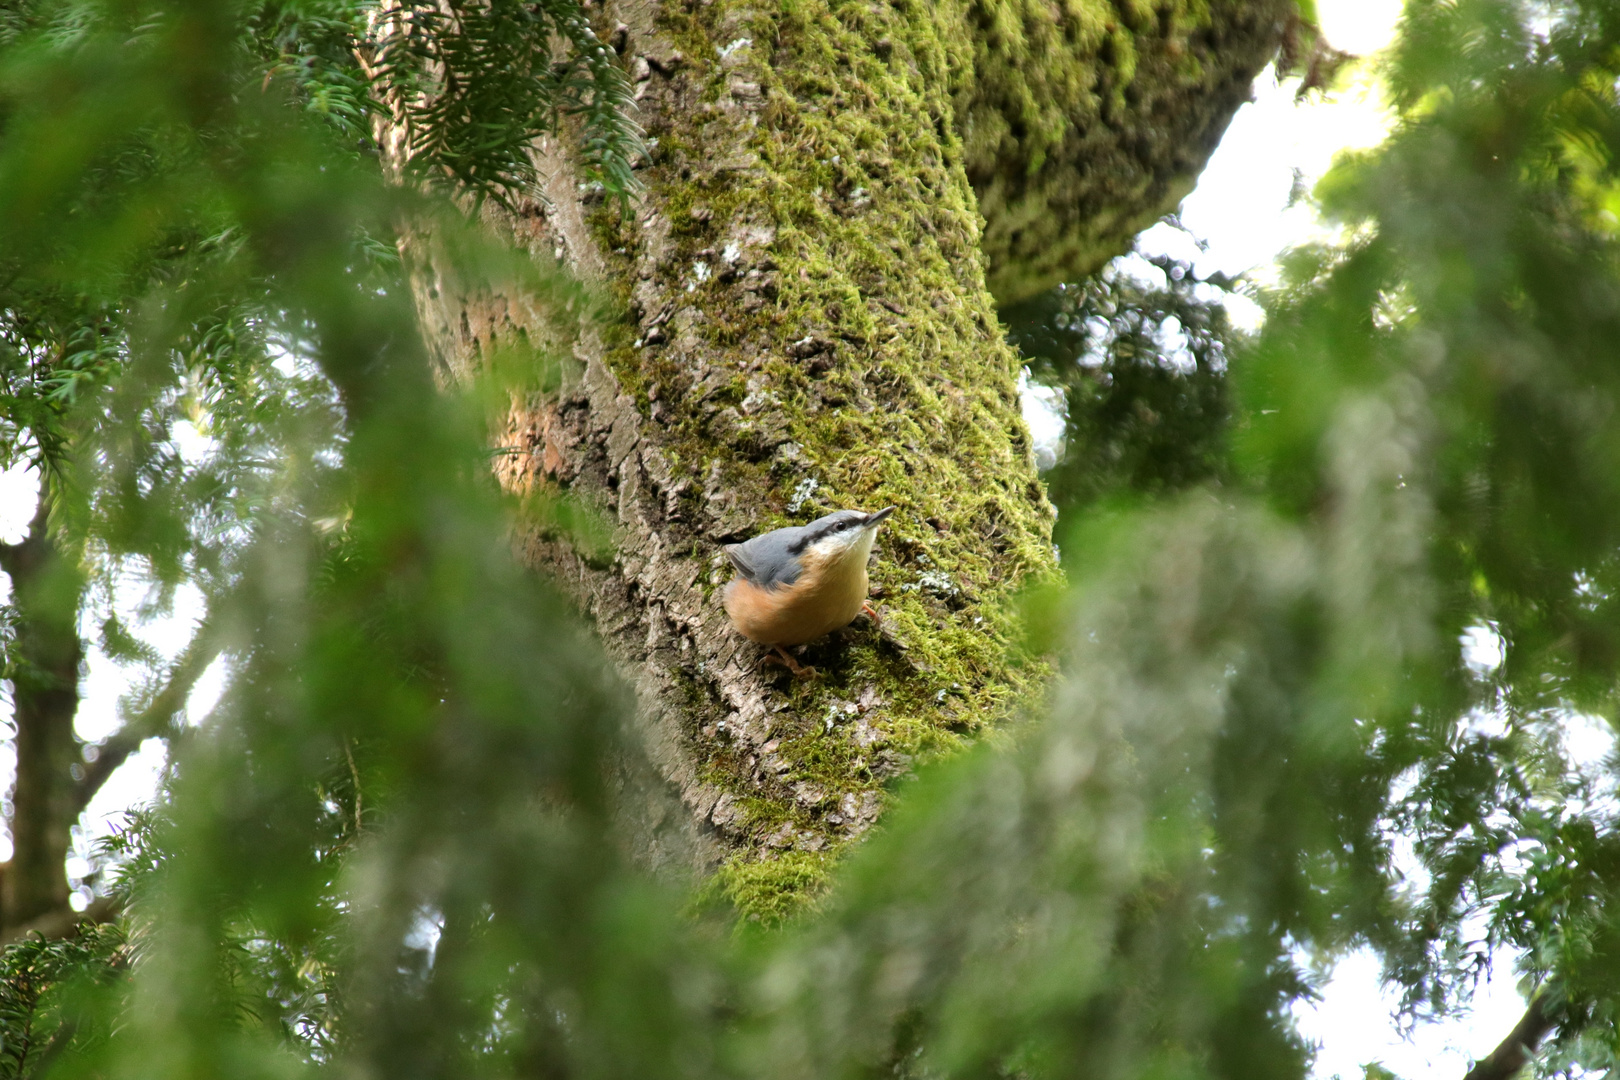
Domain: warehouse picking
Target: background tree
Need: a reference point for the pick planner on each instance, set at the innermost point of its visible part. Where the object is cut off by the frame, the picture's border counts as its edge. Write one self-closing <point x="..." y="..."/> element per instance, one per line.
<point x="66" y="340"/>
<point x="1142" y="367"/>
<point x="58" y="351"/>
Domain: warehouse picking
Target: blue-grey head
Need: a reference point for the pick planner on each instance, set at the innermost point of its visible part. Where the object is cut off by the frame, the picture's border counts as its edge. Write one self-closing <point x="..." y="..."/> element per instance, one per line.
<point x="778" y="557"/>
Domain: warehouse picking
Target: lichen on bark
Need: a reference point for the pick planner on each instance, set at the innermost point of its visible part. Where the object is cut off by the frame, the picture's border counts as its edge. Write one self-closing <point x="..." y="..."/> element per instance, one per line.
<point x="808" y="327"/>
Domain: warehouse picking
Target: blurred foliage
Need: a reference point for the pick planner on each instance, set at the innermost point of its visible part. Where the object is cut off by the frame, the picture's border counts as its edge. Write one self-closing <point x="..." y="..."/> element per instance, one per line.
<point x="1140" y="354"/>
<point x="57" y="993"/>
<point x="475" y="83"/>
<point x="400" y="845"/>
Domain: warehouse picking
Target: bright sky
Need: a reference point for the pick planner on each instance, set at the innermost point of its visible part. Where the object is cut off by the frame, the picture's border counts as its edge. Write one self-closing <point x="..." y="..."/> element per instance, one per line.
<point x="1240" y="210"/>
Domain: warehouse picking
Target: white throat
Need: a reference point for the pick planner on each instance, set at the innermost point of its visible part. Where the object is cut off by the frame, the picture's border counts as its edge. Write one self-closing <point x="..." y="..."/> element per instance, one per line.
<point x="841" y="548"/>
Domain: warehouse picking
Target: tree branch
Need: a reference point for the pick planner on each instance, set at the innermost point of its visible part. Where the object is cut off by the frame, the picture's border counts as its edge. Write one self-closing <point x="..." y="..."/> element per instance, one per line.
<point x="8" y="558"/>
<point x="1514" y="1052"/>
<point x="64" y="922"/>
<point x="157" y="719"/>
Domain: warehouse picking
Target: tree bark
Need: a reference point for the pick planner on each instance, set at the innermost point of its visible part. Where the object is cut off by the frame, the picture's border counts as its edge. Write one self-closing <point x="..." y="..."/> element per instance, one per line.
<point x="809" y="328"/>
<point x="44" y="672"/>
<point x="54" y="781"/>
<point x="1512" y="1054"/>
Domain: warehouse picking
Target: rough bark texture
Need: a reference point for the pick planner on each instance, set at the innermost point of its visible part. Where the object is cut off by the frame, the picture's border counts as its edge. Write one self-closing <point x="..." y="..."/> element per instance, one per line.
<point x="810" y="328"/>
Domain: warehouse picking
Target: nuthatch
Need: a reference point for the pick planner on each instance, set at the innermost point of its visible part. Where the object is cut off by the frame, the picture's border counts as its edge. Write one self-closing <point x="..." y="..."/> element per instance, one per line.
<point x="795" y="584"/>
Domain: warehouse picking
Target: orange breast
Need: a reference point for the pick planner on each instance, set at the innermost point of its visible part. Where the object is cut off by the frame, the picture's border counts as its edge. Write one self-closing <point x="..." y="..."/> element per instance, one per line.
<point x="826" y="597"/>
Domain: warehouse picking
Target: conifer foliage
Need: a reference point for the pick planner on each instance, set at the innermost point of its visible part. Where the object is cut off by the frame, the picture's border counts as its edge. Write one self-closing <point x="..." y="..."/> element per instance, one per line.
<point x="1142" y="364"/>
<point x="397" y="847"/>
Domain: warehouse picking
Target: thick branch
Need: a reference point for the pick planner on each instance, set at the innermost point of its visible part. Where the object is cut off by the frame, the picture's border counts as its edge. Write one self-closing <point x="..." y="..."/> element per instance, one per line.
<point x="156" y="719"/>
<point x="64" y="922"/>
<point x="1513" y="1053"/>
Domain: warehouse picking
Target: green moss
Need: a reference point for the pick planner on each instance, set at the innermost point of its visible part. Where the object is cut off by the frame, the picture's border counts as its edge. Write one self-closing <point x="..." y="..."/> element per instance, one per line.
<point x="860" y="175"/>
<point x="769" y="891"/>
<point x="860" y="163"/>
<point x="1084" y="121"/>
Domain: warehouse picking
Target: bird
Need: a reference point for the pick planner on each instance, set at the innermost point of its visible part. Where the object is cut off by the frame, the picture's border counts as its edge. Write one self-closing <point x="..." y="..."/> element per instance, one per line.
<point x="795" y="584"/>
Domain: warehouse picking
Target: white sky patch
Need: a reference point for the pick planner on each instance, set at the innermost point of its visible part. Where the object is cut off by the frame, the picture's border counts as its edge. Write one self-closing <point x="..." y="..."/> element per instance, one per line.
<point x="132" y="784"/>
<point x="135" y="782"/>
<point x="1137" y="268"/>
<point x="1044" y="413"/>
<point x="1588" y="740"/>
<point x="1483" y="723"/>
<point x="1354" y="1023"/>
<point x="103" y="684"/>
<point x="1359" y="26"/>
<point x="8" y="772"/>
<point x="426" y="929"/>
<point x="1240" y="209"/>
<point x="1174" y="346"/>
<point x="284" y="359"/>
<point x="1482" y="649"/>
<point x="207" y="691"/>
<point x="193" y="443"/>
<point x="105" y="680"/>
<point x="19" y="492"/>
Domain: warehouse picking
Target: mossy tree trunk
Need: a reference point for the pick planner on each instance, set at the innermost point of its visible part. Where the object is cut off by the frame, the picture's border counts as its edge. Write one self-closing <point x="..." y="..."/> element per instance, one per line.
<point x="832" y="185"/>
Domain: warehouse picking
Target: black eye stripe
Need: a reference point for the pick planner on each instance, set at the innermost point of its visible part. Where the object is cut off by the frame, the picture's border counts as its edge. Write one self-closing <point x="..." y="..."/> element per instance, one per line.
<point x="818" y="531"/>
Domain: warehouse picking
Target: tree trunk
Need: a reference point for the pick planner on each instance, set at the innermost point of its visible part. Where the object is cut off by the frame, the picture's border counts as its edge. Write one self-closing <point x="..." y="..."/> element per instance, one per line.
<point x="54" y="781"/>
<point x="810" y="329"/>
<point x="1513" y="1053"/>
<point x="44" y="674"/>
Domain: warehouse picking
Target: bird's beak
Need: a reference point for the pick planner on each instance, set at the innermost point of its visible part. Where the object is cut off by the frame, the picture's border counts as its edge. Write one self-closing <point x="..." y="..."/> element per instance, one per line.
<point x="875" y="519"/>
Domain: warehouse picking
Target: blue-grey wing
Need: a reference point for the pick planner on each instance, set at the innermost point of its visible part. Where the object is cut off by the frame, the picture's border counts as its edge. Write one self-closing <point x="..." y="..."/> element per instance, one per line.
<point x="769" y="560"/>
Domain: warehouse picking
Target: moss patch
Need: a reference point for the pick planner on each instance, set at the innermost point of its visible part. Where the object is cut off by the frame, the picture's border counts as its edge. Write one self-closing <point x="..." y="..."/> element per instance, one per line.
<point x="769" y="891"/>
<point x="1085" y="120"/>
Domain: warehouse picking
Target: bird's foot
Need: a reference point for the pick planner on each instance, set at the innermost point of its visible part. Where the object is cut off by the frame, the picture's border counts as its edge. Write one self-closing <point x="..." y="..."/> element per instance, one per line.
<point x="866" y="606"/>
<point x="800" y="671"/>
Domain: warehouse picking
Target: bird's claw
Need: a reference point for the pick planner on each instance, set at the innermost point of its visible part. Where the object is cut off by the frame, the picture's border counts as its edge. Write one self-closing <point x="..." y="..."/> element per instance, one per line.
<point x="866" y="606"/>
<point x="800" y="671"/>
